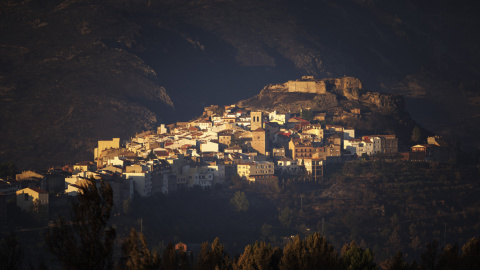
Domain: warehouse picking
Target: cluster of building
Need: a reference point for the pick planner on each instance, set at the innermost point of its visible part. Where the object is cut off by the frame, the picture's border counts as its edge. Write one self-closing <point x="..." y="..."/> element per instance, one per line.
<point x="258" y="146"/>
<point x="435" y="150"/>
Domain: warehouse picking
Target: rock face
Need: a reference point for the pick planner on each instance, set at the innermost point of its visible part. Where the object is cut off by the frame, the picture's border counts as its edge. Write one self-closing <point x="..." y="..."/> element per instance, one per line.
<point x="76" y="71"/>
<point x="66" y="85"/>
<point x="347" y="86"/>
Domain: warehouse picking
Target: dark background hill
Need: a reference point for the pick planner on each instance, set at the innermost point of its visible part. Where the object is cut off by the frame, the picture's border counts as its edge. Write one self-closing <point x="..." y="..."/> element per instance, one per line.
<point x="73" y="72"/>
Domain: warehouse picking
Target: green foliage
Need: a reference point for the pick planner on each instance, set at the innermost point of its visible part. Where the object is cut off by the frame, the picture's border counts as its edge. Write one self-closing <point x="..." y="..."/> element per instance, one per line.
<point x="286" y="217"/>
<point x="240" y="202"/>
<point x="151" y="155"/>
<point x="314" y="252"/>
<point x="396" y="263"/>
<point x="11" y="253"/>
<point x="471" y="254"/>
<point x="266" y="231"/>
<point x="220" y="111"/>
<point x="449" y="259"/>
<point x="8" y="169"/>
<point x="136" y="254"/>
<point x="85" y="241"/>
<point x="172" y="259"/>
<point x="357" y="258"/>
<point x="39" y="212"/>
<point x="213" y="256"/>
<point x="307" y="115"/>
<point x="259" y="256"/>
<point x="416" y="134"/>
<point x="429" y="257"/>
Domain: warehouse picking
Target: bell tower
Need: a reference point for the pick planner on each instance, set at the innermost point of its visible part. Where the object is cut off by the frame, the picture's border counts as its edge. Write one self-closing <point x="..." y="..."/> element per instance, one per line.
<point x="256" y="120"/>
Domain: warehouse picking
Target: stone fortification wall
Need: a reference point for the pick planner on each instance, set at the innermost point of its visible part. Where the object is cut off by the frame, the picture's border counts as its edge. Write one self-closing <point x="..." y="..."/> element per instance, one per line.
<point x="316" y="87"/>
<point x="311" y="85"/>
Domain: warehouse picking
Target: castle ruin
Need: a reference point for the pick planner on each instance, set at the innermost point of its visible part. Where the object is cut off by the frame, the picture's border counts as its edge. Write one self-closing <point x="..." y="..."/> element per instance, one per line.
<point x="308" y="84"/>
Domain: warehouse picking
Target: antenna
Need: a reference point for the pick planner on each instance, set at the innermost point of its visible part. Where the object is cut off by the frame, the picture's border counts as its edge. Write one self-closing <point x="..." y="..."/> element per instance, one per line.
<point x="444" y="235"/>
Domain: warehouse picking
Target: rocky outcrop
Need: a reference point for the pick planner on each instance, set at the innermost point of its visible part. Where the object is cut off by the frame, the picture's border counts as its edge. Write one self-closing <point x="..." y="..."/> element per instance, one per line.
<point x="386" y="103"/>
<point x="349" y="89"/>
<point x="346" y="103"/>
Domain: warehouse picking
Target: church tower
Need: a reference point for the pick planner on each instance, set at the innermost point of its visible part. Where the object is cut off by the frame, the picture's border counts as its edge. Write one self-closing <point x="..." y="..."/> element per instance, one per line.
<point x="256" y="120"/>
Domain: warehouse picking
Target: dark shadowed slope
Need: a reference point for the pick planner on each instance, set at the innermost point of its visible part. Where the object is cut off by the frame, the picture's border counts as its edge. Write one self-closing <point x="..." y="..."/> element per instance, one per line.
<point x="73" y="72"/>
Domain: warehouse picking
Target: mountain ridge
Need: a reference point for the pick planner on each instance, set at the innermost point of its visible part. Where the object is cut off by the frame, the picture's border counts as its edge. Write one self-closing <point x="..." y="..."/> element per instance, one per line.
<point x="59" y="58"/>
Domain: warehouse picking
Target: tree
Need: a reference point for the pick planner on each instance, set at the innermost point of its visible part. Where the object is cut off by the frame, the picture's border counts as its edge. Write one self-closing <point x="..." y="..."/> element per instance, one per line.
<point x="355" y="257"/>
<point x="85" y="241"/>
<point x="429" y="257"/>
<point x="416" y="134"/>
<point x="240" y="202"/>
<point x="307" y="114"/>
<point x="8" y="169"/>
<point x="171" y="259"/>
<point x="286" y="217"/>
<point x="266" y="231"/>
<point x="212" y="256"/>
<point x="259" y="256"/>
<point x="136" y="254"/>
<point x="39" y="212"/>
<point x="449" y="258"/>
<point x="11" y="253"/>
<point x="471" y="254"/>
<point x="151" y="155"/>
<point x="396" y="263"/>
<point x="314" y="252"/>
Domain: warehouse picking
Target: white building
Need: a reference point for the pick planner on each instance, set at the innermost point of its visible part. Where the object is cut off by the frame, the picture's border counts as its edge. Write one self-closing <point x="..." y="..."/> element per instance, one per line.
<point x="117" y="161"/>
<point x="256" y="168"/>
<point x="204" y="125"/>
<point x="358" y="146"/>
<point x="142" y="182"/>
<point x="209" y="147"/>
<point x="280" y="118"/>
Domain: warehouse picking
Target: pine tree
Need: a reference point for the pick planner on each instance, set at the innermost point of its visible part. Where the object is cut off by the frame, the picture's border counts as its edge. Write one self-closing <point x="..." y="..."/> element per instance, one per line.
<point x="312" y="253"/>
<point x="240" y="202"/>
<point x="396" y="263"/>
<point x="136" y="254"/>
<point x="355" y="257"/>
<point x="85" y="241"/>
<point x="471" y="254"/>
<point x="259" y="256"/>
<point x="213" y="256"/>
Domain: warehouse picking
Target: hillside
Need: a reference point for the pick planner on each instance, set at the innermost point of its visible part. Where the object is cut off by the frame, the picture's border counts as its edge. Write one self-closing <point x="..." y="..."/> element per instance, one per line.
<point x="341" y="101"/>
<point x="76" y="71"/>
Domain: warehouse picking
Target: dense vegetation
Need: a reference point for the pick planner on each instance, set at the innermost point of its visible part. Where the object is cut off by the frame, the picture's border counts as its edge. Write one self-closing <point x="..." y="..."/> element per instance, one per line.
<point x="385" y="207"/>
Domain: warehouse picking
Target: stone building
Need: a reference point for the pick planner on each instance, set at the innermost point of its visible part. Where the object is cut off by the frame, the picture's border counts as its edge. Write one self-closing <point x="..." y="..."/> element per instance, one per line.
<point x="256" y="120"/>
<point x="260" y="141"/>
<point x="103" y="145"/>
<point x="27" y="197"/>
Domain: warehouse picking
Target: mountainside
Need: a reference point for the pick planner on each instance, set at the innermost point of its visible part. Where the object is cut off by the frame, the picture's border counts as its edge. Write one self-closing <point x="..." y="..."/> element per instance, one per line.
<point x="76" y="71"/>
<point x="343" y="99"/>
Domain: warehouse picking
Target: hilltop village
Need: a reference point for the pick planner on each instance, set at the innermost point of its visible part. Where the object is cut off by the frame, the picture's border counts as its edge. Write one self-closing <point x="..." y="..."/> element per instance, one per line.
<point x="225" y="142"/>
